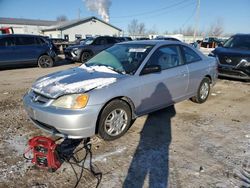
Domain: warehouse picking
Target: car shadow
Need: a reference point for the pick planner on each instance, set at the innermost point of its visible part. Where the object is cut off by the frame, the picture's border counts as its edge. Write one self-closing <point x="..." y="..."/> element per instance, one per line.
<point x="151" y="157"/>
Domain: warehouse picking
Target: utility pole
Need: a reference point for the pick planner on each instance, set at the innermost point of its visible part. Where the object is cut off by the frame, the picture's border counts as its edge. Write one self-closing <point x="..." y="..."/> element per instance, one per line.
<point x="197" y="18"/>
<point x="79" y="14"/>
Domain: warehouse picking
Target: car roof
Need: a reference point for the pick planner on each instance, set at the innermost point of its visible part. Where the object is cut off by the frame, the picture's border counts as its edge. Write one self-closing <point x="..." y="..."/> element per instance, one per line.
<point x="152" y="42"/>
<point x="242" y="34"/>
<point x="20" y="35"/>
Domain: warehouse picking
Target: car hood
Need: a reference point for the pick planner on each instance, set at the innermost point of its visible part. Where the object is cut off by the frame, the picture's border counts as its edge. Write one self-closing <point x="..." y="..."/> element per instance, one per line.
<point x="231" y="51"/>
<point x="75" y="80"/>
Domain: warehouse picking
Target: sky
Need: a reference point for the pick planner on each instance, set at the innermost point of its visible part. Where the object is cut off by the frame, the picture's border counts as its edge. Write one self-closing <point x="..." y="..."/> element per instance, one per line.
<point x="159" y="15"/>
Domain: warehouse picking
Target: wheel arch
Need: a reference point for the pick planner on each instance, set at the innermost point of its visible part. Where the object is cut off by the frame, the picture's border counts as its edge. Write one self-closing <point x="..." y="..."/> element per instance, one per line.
<point x="123" y="98"/>
<point x="209" y="77"/>
<point x="87" y="50"/>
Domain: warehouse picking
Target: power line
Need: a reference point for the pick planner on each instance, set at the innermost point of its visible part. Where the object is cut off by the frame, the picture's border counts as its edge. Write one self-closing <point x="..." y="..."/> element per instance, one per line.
<point x="157" y="14"/>
<point x="189" y="18"/>
<point x="151" y="12"/>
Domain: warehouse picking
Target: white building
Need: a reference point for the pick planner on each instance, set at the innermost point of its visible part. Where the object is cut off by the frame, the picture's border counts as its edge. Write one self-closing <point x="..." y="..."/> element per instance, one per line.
<point x="26" y="26"/>
<point x="70" y="30"/>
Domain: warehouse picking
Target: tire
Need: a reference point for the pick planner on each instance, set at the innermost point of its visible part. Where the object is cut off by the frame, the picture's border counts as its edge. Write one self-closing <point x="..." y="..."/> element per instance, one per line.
<point x="85" y="56"/>
<point x="203" y="91"/>
<point x="45" y="61"/>
<point x="115" y="120"/>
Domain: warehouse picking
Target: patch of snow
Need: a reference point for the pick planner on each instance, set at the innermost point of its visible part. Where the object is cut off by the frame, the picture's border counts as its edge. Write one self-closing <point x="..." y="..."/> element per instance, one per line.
<point x="105" y="155"/>
<point x="48" y="80"/>
<point x="18" y="169"/>
<point x="213" y="94"/>
<point x="82" y="85"/>
<point x="18" y="143"/>
<point x="97" y="69"/>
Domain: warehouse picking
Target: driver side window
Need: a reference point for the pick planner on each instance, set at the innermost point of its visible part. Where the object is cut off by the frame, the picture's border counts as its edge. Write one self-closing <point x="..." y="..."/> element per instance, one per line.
<point x="100" y="41"/>
<point x="167" y="57"/>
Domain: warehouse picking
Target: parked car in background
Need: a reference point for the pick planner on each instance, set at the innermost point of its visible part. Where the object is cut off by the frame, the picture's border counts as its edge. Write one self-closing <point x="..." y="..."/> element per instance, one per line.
<point x="166" y="38"/>
<point x="16" y="49"/>
<point x="90" y="47"/>
<point x="117" y="85"/>
<point x="211" y="42"/>
<point x="143" y="38"/>
<point x="234" y="57"/>
<point x="124" y="39"/>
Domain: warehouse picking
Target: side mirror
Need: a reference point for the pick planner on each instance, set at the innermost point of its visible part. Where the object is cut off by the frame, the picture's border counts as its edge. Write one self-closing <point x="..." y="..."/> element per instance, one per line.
<point x="220" y="44"/>
<point x="151" y="69"/>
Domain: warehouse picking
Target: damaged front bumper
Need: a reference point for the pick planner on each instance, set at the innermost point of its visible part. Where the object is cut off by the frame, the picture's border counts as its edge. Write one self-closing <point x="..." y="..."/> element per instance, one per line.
<point x="62" y="122"/>
<point x="233" y="72"/>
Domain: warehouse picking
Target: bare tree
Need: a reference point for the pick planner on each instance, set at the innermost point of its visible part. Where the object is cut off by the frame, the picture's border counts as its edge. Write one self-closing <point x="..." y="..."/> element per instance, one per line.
<point x="61" y="18"/>
<point x="141" y="29"/>
<point x="166" y="32"/>
<point x="136" y="28"/>
<point x="216" y="28"/>
<point x="153" y="31"/>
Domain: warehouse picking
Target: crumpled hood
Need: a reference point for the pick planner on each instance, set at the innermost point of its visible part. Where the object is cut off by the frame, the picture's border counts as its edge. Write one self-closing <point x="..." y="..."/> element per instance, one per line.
<point x="231" y="51"/>
<point x="75" y="80"/>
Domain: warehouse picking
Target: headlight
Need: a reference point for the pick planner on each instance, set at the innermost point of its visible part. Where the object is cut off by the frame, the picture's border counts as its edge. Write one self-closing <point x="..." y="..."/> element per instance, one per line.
<point x="75" y="51"/>
<point x="74" y="101"/>
<point x="245" y="63"/>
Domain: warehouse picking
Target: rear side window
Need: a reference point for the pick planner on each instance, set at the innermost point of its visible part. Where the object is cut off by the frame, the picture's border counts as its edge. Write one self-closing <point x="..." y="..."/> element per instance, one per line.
<point x="8" y="41"/>
<point x="100" y="41"/>
<point x="26" y="41"/>
<point x="190" y="55"/>
<point x="111" y="40"/>
<point x="40" y="41"/>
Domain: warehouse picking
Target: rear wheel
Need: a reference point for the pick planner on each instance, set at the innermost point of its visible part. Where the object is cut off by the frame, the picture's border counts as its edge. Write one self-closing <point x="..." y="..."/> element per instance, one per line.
<point x="85" y="56"/>
<point x="45" y="61"/>
<point x="203" y="91"/>
<point x="115" y="120"/>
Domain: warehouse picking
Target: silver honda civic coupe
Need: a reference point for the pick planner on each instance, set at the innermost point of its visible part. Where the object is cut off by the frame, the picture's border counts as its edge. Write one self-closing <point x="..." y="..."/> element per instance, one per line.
<point x="131" y="79"/>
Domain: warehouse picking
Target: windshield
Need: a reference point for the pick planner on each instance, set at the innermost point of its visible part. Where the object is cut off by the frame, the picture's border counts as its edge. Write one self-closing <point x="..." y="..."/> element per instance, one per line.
<point x="242" y="42"/>
<point x="122" y="58"/>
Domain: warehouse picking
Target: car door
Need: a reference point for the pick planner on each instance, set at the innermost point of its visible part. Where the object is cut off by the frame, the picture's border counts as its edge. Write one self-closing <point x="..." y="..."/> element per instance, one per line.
<point x="197" y="69"/>
<point x="26" y="49"/>
<point x="167" y="86"/>
<point x="7" y="51"/>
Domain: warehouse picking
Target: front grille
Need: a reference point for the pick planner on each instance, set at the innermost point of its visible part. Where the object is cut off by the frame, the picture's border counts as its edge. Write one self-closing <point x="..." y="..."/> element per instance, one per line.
<point x="232" y="72"/>
<point x="225" y="60"/>
<point x="38" y="98"/>
<point x="46" y="126"/>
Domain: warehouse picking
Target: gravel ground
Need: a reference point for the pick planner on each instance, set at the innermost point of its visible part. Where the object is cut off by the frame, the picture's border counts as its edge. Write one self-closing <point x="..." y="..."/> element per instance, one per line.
<point x="187" y="145"/>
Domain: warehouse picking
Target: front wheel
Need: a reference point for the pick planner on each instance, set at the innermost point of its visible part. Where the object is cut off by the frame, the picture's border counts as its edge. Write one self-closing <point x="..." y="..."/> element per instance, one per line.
<point x="45" y="61"/>
<point x="203" y="91"/>
<point x="115" y="120"/>
<point x="85" y="56"/>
